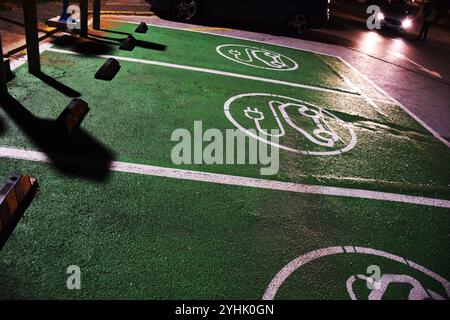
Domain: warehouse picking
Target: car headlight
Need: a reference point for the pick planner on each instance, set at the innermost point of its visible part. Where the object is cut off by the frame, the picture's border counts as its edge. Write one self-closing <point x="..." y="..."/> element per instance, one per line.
<point x="380" y="16"/>
<point x="407" y="23"/>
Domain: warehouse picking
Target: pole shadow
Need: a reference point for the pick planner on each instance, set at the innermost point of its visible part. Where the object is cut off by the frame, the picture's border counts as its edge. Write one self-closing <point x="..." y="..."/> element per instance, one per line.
<point x="100" y="45"/>
<point x="84" y="46"/>
<point x="139" y="43"/>
<point x="55" y="84"/>
<point x="78" y="155"/>
<point x="116" y="32"/>
<point x="2" y="127"/>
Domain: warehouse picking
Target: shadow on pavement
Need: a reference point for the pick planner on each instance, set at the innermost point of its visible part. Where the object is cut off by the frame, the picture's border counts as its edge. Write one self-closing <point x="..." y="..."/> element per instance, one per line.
<point x="20" y="24"/>
<point x="55" y="84"/>
<point x="230" y="23"/>
<point x="99" y="44"/>
<point x="322" y="37"/>
<point x="117" y="41"/>
<point x="79" y="154"/>
<point x="2" y="127"/>
<point x="116" y="32"/>
<point x="83" y="46"/>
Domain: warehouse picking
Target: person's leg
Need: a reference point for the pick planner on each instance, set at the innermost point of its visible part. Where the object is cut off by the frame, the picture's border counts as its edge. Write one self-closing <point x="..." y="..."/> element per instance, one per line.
<point x="421" y="31"/>
<point x="64" y="15"/>
<point x="425" y="33"/>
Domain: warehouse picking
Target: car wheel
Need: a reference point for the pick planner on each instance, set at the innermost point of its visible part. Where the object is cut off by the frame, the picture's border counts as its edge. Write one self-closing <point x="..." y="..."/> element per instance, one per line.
<point x="297" y="25"/>
<point x="185" y="10"/>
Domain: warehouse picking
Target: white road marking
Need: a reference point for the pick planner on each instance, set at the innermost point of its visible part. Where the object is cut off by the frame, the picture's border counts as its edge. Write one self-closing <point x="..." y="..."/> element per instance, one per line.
<point x="295" y="264"/>
<point x="409" y="112"/>
<point x="210" y="71"/>
<point x="355" y="88"/>
<point x="190" y="175"/>
<point x="248" y="182"/>
<point x="380" y="90"/>
<point x="234" y="52"/>
<point x="421" y="67"/>
<point x="369" y="100"/>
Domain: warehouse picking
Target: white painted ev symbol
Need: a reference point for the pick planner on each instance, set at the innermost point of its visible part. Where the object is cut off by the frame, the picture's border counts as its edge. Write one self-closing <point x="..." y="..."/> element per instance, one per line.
<point x="303" y="128"/>
<point x="417" y="290"/>
<point x="257" y="57"/>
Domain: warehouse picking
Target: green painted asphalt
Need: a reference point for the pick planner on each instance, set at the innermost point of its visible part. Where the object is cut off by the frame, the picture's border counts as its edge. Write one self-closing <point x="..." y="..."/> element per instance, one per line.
<point x="146" y="237"/>
<point x="138" y="236"/>
<point x="199" y="50"/>
<point x="134" y="116"/>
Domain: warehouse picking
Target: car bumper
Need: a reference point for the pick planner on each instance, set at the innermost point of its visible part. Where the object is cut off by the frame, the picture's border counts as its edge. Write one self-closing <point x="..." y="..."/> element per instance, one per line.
<point x="392" y="26"/>
<point x="320" y="21"/>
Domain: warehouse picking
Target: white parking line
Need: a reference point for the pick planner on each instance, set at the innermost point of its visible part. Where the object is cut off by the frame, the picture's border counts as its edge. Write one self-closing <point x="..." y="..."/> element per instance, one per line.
<point x="378" y="88"/>
<point x="190" y="175"/>
<point x="237" y="180"/>
<point x="210" y="71"/>
<point x="409" y="112"/>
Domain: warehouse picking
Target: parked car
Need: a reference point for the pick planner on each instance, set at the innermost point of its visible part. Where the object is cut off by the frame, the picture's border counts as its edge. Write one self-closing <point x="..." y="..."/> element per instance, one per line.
<point x="295" y="15"/>
<point x="396" y="15"/>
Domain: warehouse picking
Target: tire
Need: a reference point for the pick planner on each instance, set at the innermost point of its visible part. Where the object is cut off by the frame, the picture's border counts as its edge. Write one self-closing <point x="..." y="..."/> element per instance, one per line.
<point x="297" y="25"/>
<point x="185" y="10"/>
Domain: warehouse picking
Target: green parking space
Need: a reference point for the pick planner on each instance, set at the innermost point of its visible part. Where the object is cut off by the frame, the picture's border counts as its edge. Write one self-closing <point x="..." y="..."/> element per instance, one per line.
<point x="135" y="115"/>
<point x="213" y="52"/>
<point x="134" y="237"/>
<point x="161" y="233"/>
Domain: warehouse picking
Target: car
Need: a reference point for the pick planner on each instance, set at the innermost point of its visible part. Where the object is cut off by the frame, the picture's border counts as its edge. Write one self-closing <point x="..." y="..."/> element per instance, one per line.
<point x="396" y="15"/>
<point x="296" y="16"/>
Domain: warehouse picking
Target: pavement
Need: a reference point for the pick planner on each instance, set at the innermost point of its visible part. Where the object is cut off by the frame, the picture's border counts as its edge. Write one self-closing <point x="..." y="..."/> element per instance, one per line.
<point x="11" y="18"/>
<point x="126" y="5"/>
<point x="140" y="225"/>
<point x="12" y="28"/>
<point x="417" y="74"/>
<point x="126" y="201"/>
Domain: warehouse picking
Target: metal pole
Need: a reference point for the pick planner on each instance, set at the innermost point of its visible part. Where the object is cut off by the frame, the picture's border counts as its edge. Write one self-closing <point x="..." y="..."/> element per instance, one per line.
<point x="31" y="35"/>
<point x="84" y="18"/>
<point x="96" y="13"/>
<point x="3" y="87"/>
